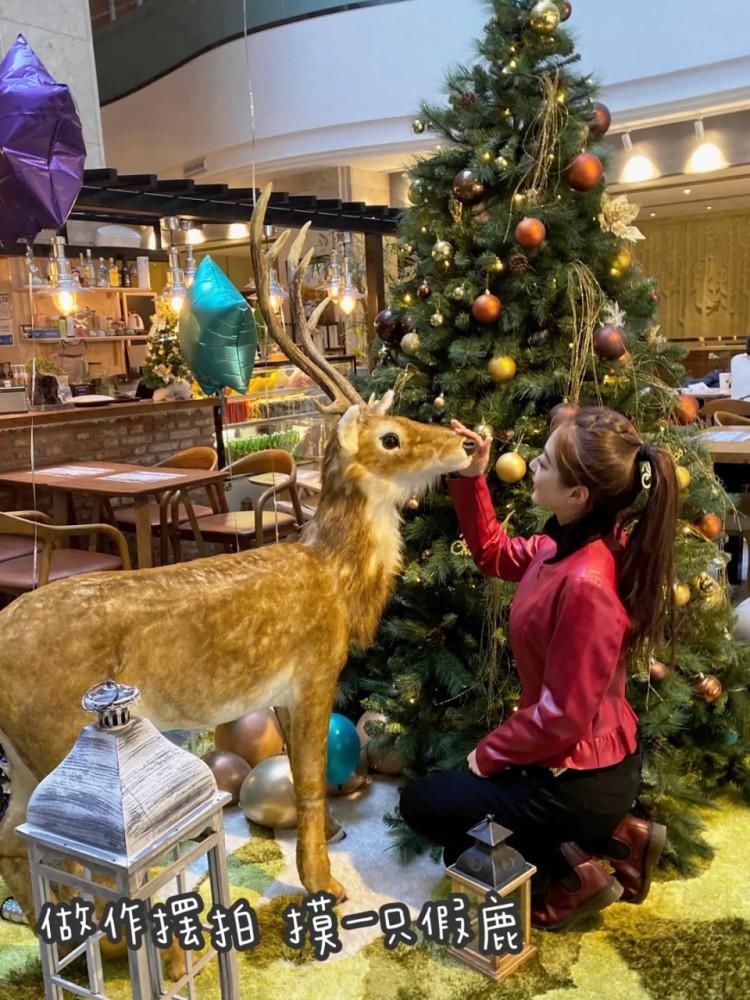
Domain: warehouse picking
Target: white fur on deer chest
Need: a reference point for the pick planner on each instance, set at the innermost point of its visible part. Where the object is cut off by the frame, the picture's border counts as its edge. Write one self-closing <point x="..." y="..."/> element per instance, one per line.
<point x="119" y="790"/>
<point x="384" y="522"/>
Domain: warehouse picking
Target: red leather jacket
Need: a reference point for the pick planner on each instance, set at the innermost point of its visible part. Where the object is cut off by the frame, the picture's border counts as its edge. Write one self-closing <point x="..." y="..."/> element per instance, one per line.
<point x="567" y="628"/>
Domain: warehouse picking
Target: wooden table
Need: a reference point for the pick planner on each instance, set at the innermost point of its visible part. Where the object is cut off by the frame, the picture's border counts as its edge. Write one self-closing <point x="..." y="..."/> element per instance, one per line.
<point x="728" y="444"/>
<point x="102" y="480"/>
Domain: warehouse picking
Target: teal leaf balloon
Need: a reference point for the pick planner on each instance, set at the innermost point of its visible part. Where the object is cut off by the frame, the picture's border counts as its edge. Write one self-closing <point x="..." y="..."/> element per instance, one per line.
<point x="217" y="331"/>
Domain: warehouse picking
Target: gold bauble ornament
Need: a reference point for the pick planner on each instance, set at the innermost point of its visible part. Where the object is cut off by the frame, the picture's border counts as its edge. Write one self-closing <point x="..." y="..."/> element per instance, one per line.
<point x="683" y="477"/>
<point x="502" y="369"/>
<point x="710" y="590"/>
<point x="437" y="319"/>
<point x="496" y="266"/>
<point x="682" y="595"/>
<point x="511" y="467"/>
<point x="442" y="250"/>
<point x="708" y="688"/>
<point x="484" y="431"/>
<point x="418" y="126"/>
<point x="545" y="17"/>
<point x="267" y="794"/>
<point x="439" y="402"/>
<point x="412" y="503"/>
<point x="254" y="736"/>
<point x="410" y="343"/>
<point x="623" y="260"/>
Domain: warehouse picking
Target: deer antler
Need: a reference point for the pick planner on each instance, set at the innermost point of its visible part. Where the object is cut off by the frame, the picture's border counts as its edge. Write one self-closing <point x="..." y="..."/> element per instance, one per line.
<point x="308" y="357"/>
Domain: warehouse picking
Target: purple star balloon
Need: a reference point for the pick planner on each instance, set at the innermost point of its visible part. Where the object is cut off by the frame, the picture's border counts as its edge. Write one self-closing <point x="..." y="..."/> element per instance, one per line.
<point x="42" y="151"/>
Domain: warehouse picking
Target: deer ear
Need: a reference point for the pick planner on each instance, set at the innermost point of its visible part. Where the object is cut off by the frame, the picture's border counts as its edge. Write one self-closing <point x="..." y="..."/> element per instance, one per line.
<point x="382" y="406"/>
<point x="347" y="430"/>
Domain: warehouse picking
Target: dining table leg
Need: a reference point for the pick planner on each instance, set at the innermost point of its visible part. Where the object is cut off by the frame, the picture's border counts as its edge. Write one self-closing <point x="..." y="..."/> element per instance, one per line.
<point x="142" y="514"/>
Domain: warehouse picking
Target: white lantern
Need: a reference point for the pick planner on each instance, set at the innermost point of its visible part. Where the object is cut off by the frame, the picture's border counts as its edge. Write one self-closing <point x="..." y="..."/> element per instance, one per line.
<point x="124" y="801"/>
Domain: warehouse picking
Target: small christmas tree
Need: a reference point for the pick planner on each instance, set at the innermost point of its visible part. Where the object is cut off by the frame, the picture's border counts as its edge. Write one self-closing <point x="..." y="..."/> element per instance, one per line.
<point x="165" y="363"/>
<point x="520" y="291"/>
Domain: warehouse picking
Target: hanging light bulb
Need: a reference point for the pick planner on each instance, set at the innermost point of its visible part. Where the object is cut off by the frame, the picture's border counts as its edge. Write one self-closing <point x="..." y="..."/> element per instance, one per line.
<point x="174" y="293"/>
<point x="65" y="288"/>
<point x="350" y="294"/>
<point x="332" y="286"/>
<point x="276" y="293"/>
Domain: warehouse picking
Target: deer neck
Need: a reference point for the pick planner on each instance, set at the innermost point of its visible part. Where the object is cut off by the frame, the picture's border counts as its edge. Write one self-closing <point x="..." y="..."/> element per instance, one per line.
<point x="357" y="530"/>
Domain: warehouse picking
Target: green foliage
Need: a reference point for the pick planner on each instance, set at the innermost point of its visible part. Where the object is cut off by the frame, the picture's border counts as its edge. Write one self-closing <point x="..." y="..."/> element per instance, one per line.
<point x="441" y="669"/>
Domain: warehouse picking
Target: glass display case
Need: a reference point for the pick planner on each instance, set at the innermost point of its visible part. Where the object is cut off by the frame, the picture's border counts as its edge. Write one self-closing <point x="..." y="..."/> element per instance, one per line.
<point x="278" y="411"/>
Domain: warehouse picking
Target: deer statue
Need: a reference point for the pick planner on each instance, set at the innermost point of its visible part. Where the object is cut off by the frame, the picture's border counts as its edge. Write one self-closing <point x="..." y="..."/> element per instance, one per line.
<point x="210" y="640"/>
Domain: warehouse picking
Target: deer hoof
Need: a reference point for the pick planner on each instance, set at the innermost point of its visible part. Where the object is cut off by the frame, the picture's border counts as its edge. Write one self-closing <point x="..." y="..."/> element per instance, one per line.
<point x="336" y="889"/>
<point x="335" y="833"/>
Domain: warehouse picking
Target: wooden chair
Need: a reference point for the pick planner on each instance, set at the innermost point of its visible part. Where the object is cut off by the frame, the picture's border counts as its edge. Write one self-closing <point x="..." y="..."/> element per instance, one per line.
<point x="266" y="521"/>
<point x="54" y="561"/>
<point x="725" y="418"/>
<point x="739" y="407"/>
<point x="162" y="513"/>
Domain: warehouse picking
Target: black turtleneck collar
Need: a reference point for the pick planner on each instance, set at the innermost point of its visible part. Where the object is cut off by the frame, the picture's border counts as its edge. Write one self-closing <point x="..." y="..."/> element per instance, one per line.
<point x="573" y="536"/>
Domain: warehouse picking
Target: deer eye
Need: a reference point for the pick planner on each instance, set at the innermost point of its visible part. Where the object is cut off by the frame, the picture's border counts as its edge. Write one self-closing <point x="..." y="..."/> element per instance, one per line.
<point x="390" y="441"/>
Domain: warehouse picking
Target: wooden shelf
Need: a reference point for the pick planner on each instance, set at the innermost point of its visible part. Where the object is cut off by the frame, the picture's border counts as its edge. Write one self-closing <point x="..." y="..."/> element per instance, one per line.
<point x="45" y="290"/>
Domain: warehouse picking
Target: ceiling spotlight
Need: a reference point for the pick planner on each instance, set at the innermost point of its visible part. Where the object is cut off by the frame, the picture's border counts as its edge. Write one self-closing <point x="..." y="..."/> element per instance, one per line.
<point x="639" y="168"/>
<point x="699" y="130"/>
<point x="709" y="208"/>
<point x="627" y="141"/>
<point x="652" y="214"/>
<point x="687" y="190"/>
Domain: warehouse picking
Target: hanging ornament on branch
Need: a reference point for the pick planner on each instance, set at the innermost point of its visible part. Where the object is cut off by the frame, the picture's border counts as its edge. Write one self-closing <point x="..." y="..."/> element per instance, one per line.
<point x="424" y="291"/>
<point x="410" y="343"/>
<point x="567" y="10"/>
<point x="511" y="467"/>
<point x="584" y="172"/>
<point x="418" y="126"/>
<point x="602" y="119"/>
<point x="502" y="369"/>
<point x="682" y="595"/>
<point x="610" y="343"/>
<point x="387" y="326"/>
<point x="687" y="409"/>
<point x="544" y="17"/>
<point x="657" y="671"/>
<point x="467" y="188"/>
<point x="442" y="251"/>
<point x="518" y="263"/>
<point x="710" y="526"/>
<point x="530" y="233"/>
<point x="486" y="309"/>
<point x="708" y="688"/>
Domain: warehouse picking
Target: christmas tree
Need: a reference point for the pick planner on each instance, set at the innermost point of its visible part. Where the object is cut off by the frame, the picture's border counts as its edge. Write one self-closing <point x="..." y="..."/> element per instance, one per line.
<point x="519" y="291"/>
<point x="164" y="363"/>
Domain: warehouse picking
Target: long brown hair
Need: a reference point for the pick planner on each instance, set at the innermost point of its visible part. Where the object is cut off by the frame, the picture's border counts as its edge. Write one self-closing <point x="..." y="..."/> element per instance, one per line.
<point x="601" y="449"/>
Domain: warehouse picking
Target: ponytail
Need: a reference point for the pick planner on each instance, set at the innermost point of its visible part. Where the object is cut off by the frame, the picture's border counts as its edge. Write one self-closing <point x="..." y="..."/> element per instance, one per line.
<point x="647" y="568"/>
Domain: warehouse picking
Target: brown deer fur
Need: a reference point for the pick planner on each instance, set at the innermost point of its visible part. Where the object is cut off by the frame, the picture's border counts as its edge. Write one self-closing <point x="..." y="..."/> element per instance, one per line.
<point x="210" y="640"/>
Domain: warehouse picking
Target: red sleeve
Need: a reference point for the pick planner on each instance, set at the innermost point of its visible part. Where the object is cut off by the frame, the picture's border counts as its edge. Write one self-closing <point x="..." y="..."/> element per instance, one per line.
<point x="494" y="551"/>
<point x="582" y="660"/>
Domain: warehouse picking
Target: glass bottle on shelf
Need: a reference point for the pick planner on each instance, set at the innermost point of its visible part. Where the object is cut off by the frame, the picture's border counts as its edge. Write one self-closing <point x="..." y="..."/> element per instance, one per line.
<point x="83" y="274"/>
<point x="90" y="269"/>
<point x="103" y="279"/>
<point x="52" y="269"/>
<point x="133" y="275"/>
<point x="114" y="274"/>
<point x="124" y="273"/>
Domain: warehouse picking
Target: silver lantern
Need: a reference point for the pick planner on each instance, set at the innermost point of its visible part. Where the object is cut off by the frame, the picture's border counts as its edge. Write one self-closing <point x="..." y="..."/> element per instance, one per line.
<point x="123" y="802"/>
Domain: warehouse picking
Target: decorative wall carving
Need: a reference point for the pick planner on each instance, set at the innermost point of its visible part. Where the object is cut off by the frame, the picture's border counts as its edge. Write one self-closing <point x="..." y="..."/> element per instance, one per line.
<point x="703" y="268"/>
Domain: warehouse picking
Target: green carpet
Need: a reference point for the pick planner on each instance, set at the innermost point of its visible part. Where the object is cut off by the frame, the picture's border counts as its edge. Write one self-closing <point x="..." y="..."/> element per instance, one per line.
<point x="689" y="941"/>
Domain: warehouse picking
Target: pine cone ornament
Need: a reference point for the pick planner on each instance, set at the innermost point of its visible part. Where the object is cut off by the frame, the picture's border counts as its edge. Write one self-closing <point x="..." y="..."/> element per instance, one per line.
<point x="518" y="263"/>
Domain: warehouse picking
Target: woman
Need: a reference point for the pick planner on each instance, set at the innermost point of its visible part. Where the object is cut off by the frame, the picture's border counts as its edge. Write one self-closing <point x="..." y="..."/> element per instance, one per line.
<point x="565" y="766"/>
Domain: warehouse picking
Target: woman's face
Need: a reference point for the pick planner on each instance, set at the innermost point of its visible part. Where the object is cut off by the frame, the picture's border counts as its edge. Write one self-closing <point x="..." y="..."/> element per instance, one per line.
<point x="567" y="503"/>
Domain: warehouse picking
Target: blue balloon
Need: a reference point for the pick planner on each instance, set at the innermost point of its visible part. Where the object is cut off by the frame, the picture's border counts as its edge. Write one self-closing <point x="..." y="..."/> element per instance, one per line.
<point x="217" y="331"/>
<point x="343" y="749"/>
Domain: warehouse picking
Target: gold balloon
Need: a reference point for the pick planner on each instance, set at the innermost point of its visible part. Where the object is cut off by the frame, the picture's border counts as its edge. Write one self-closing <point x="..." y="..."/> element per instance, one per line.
<point x="230" y="770"/>
<point x="545" y="17"/>
<point x="502" y="369"/>
<point x="360" y="778"/>
<point x="254" y="737"/>
<point x="267" y="794"/>
<point x="682" y="594"/>
<point x="380" y="758"/>
<point x="511" y="467"/>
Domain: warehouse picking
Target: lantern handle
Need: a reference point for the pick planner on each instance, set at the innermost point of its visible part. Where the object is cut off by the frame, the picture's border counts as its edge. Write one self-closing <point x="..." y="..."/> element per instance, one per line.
<point x="109" y="702"/>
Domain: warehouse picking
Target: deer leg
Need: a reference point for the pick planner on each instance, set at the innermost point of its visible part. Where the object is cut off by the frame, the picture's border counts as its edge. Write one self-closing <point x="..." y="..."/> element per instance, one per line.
<point x="307" y="754"/>
<point x="334" y="831"/>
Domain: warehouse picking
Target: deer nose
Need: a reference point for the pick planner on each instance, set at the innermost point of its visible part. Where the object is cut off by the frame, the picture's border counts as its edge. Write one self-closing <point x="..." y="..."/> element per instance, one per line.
<point x="469" y="446"/>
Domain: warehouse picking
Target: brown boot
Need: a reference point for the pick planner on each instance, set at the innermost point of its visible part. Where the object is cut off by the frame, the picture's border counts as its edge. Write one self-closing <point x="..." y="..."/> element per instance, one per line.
<point x="644" y="841"/>
<point x="559" y="906"/>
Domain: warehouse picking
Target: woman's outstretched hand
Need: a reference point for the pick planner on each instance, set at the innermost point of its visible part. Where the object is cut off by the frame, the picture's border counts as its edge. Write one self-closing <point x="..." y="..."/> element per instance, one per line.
<point x="480" y="457"/>
<point x="471" y="760"/>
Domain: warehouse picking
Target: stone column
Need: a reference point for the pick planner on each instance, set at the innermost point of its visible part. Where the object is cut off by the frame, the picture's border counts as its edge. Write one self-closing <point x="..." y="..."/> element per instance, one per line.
<point x="59" y="31"/>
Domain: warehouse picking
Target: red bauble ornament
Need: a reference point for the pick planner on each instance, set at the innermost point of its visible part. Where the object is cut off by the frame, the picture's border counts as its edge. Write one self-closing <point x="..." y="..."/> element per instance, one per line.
<point x="486" y="308"/>
<point x="424" y="291"/>
<point x="710" y="525"/>
<point x="610" y="343"/>
<point x="530" y="233"/>
<point x="585" y="172"/>
<point x="687" y="409"/>
<point x="708" y="688"/>
<point x="602" y="119"/>
<point x="566" y="11"/>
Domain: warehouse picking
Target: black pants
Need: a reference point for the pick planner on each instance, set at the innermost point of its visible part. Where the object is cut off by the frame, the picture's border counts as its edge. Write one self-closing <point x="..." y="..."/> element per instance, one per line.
<point x="541" y="810"/>
<point x="734" y="478"/>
